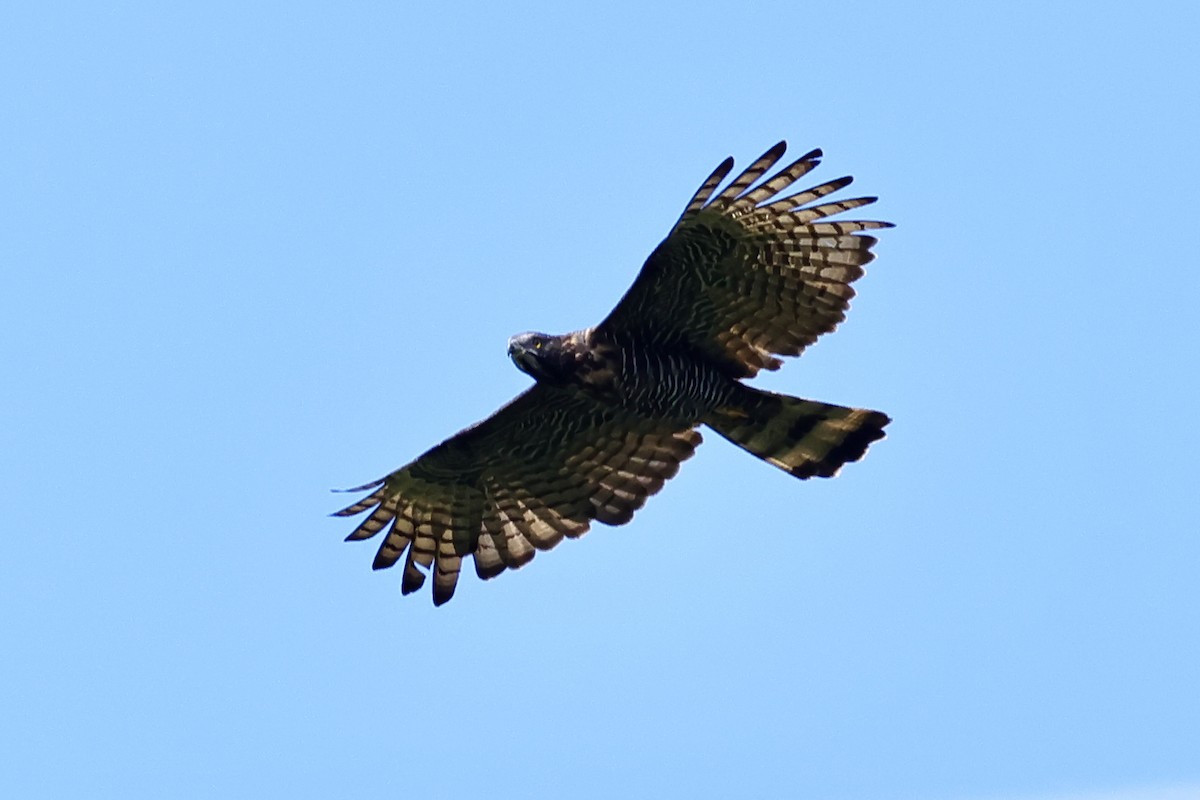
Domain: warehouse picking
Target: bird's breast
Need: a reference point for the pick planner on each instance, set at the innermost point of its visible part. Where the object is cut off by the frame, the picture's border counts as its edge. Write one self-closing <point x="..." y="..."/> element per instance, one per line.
<point x="652" y="381"/>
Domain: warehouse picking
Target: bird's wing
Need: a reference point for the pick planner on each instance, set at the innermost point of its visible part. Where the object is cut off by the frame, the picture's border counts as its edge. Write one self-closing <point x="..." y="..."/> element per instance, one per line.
<point x="539" y="469"/>
<point x="741" y="277"/>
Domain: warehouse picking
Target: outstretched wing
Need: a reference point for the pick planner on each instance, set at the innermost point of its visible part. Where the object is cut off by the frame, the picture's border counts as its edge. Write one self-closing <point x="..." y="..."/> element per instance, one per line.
<point x="741" y="277"/>
<point x="538" y="470"/>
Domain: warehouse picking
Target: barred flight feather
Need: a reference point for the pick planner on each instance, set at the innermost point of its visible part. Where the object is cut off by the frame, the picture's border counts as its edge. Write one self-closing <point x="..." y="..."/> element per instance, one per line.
<point x="706" y="189"/>
<point x="742" y="182"/>
<point x="789" y="175"/>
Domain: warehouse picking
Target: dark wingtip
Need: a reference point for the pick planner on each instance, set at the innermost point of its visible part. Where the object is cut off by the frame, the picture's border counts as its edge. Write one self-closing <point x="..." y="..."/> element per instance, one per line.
<point x="363" y="488"/>
<point x="347" y="512"/>
<point x="381" y="561"/>
<point x="412" y="581"/>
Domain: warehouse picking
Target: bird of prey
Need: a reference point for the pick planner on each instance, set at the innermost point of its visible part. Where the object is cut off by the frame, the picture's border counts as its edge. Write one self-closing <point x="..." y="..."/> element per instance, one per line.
<point x="741" y="278"/>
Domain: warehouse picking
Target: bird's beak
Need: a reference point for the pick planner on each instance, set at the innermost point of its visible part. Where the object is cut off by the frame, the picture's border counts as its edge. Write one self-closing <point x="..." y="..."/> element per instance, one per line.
<point x="518" y="353"/>
<point x="522" y="356"/>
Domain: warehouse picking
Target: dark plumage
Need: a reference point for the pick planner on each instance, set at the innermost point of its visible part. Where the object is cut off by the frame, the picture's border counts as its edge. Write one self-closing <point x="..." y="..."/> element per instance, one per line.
<point x="740" y="279"/>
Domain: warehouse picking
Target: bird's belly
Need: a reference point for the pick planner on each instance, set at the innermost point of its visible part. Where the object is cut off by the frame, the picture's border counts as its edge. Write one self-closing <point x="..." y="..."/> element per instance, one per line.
<point x="655" y="384"/>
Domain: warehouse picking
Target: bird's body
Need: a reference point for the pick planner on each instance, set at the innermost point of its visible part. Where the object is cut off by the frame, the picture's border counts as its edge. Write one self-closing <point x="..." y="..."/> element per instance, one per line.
<point x="628" y="372"/>
<point x="615" y="408"/>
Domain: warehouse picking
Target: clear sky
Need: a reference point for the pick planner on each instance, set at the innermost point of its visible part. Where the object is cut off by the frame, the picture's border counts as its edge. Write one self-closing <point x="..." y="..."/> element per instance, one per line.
<point x="253" y="252"/>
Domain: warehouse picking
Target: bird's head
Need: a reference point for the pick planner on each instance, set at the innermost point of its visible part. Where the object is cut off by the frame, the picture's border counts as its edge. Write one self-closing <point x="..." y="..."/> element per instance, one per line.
<point x="545" y="357"/>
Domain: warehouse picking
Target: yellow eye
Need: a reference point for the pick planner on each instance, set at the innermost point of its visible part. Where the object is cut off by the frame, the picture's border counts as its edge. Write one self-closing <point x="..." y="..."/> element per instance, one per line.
<point x="537" y="345"/>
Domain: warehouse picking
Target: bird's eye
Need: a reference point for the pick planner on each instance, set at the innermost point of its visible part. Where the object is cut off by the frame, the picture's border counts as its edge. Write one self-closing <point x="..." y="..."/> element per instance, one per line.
<point x="537" y="345"/>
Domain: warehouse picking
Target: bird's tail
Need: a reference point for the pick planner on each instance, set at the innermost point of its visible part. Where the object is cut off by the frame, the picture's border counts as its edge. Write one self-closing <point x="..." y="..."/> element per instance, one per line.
<point x="802" y="437"/>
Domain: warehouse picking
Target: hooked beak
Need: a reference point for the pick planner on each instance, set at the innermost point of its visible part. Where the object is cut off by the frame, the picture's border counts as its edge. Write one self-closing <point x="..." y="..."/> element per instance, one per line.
<point x="522" y="356"/>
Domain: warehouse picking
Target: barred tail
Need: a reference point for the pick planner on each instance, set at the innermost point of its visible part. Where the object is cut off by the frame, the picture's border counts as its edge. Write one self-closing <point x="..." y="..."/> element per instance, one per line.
<point x="801" y="437"/>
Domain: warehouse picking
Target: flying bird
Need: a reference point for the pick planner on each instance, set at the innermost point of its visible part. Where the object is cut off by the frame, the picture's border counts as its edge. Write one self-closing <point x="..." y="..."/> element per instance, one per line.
<point x="741" y="279"/>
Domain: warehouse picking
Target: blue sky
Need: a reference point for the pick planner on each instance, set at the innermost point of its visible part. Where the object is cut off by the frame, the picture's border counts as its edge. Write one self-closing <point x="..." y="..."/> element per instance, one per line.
<point x="252" y="253"/>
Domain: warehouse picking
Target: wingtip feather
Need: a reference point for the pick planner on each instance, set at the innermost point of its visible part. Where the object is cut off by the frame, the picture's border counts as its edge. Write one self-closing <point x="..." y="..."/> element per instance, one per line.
<point x="363" y="488"/>
<point x="777" y="150"/>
